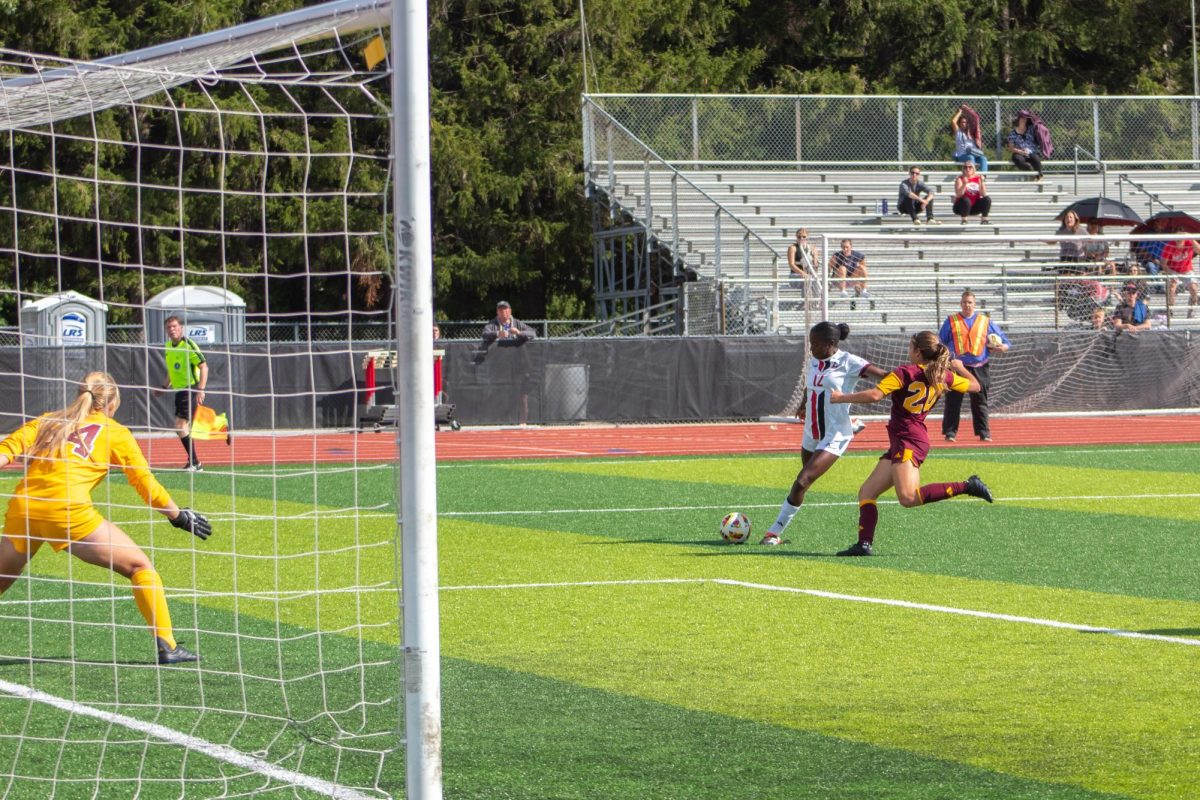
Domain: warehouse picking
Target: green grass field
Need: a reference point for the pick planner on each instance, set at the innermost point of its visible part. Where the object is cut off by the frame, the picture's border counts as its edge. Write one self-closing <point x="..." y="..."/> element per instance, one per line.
<point x="600" y="641"/>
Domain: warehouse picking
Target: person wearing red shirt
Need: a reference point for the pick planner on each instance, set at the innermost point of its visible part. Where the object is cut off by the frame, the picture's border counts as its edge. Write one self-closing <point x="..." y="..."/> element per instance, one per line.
<point x="970" y="195"/>
<point x="1177" y="260"/>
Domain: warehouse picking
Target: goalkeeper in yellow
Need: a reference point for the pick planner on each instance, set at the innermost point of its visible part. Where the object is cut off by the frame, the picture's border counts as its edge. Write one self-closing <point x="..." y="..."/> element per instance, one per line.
<point x="67" y="453"/>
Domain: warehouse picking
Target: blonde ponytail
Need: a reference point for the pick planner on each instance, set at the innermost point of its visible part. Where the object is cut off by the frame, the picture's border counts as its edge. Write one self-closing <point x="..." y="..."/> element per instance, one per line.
<point x="97" y="392"/>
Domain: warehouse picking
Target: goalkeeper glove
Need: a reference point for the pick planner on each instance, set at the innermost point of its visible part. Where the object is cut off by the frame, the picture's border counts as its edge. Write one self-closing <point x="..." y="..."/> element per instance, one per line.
<point x="194" y="522"/>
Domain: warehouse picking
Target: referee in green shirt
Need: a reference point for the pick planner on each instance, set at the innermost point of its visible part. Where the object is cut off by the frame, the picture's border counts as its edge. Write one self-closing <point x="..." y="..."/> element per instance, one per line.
<point x="187" y="374"/>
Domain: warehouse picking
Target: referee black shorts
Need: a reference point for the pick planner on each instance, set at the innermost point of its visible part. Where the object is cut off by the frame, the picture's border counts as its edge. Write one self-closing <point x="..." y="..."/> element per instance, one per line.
<point x="185" y="404"/>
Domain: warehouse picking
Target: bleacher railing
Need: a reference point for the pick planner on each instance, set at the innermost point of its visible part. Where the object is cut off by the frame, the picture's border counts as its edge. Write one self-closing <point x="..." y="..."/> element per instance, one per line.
<point x="915" y="281"/>
<point x="1139" y="191"/>
<point x="736" y="246"/>
<point x="800" y="130"/>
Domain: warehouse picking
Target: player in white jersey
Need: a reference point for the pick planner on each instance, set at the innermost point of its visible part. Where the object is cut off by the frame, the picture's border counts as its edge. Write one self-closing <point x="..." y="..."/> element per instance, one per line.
<point x="828" y="427"/>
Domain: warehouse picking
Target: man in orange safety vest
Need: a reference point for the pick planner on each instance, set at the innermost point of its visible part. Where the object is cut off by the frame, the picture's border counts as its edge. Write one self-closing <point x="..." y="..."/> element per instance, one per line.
<point x="970" y="335"/>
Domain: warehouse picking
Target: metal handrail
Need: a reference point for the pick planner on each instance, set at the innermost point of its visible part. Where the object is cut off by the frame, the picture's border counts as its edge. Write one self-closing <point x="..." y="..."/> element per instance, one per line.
<point x="1151" y="196"/>
<point x="748" y="231"/>
<point x="643" y="321"/>
<point x="1093" y="157"/>
<point x="890" y="163"/>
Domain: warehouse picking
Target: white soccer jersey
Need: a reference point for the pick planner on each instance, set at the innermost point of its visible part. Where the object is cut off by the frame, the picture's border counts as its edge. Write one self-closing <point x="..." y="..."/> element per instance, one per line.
<point x="827" y="425"/>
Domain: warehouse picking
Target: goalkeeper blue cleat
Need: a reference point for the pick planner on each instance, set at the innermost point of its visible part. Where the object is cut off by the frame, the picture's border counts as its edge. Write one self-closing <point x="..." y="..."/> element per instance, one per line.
<point x="177" y="655"/>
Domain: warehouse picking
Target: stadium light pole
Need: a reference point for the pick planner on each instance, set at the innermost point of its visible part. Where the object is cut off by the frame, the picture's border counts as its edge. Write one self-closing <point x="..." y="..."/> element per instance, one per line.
<point x="417" y="490"/>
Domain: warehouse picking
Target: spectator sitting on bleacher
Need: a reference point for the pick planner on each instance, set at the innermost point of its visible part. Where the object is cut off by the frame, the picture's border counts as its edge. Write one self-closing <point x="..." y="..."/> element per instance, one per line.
<point x="802" y="259"/>
<point x="1095" y="251"/>
<point x="1100" y="319"/>
<point x="1070" y="252"/>
<point x="850" y="263"/>
<point x="1146" y="257"/>
<point x="915" y="196"/>
<point x="970" y="195"/>
<point x="1131" y="314"/>
<point x="1021" y="142"/>
<point x="1177" y="265"/>
<point x="967" y="139"/>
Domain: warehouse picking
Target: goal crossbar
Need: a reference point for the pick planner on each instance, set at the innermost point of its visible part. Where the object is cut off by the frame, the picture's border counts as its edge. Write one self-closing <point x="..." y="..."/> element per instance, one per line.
<point x="72" y="88"/>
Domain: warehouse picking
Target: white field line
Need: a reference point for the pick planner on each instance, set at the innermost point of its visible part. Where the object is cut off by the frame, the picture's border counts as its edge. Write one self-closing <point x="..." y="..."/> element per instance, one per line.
<point x="573" y="584"/>
<point x="1027" y="499"/>
<point x="962" y="612"/>
<point x="872" y="454"/>
<point x="218" y="751"/>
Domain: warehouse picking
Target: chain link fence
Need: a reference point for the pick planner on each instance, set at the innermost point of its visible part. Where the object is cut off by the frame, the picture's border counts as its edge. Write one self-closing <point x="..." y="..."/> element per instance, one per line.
<point x="299" y="332"/>
<point x="789" y="131"/>
<point x="913" y="282"/>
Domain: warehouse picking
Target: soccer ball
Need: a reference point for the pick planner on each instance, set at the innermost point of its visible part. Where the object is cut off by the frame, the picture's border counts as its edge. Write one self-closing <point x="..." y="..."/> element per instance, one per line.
<point x="735" y="528"/>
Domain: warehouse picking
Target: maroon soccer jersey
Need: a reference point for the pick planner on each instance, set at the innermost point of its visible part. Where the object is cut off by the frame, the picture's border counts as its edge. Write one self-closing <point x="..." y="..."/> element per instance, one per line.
<point x="912" y="400"/>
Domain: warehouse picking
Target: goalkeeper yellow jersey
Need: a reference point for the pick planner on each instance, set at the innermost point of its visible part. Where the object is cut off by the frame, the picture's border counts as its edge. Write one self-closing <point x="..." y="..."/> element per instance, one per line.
<point x="60" y="488"/>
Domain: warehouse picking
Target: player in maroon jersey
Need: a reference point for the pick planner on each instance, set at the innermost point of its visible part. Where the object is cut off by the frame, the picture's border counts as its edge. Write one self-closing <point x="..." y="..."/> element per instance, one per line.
<point x="915" y="389"/>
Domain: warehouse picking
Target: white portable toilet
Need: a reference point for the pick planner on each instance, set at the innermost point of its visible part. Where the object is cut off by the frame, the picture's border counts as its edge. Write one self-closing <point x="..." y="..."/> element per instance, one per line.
<point x="210" y="314"/>
<point x="64" y="320"/>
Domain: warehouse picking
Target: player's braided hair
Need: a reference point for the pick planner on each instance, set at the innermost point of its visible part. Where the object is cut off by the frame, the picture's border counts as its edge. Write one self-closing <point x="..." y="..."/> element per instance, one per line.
<point x="936" y="357"/>
<point x="97" y="392"/>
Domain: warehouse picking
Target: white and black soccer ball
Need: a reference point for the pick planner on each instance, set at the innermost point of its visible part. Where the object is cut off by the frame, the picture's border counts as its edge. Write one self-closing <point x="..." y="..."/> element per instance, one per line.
<point x="735" y="528"/>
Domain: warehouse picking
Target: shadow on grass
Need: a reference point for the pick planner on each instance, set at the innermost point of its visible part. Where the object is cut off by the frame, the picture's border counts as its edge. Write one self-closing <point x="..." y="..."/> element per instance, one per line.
<point x="25" y="662"/>
<point x="1173" y="631"/>
<point x="746" y="549"/>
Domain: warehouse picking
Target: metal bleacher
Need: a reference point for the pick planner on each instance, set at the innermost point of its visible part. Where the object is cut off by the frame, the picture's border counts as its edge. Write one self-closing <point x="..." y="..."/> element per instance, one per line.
<point x="916" y="272"/>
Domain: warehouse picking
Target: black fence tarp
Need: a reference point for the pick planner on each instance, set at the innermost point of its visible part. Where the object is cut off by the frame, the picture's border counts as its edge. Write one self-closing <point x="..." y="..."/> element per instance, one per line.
<point x="265" y="387"/>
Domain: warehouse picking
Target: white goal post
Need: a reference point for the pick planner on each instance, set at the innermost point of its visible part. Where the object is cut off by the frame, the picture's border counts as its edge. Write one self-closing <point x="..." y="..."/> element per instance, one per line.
<point x="286" y="161"/>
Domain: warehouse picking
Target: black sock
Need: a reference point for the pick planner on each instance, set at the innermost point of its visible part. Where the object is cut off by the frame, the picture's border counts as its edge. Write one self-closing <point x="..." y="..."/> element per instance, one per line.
<point x="189" y="448"/>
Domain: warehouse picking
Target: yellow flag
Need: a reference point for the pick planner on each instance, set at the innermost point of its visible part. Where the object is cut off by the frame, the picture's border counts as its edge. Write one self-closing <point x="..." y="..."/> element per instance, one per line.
<point x="208" y="424"/>
<point x="375" y="52"/>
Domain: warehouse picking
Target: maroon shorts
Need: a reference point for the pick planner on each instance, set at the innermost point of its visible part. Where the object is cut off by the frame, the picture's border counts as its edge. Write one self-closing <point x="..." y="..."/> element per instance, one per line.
<point x="901" y="449"/>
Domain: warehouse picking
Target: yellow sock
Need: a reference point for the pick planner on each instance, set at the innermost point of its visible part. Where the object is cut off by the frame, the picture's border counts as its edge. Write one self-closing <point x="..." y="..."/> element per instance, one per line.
<point x="152" y="602"/>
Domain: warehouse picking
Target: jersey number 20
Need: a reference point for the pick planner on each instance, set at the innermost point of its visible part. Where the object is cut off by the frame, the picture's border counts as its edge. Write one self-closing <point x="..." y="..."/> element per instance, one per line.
<point x="920" y="399"/>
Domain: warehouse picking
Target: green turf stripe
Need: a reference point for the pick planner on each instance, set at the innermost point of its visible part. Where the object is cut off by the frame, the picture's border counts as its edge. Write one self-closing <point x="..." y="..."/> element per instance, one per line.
<point x="1096" y="711"/>
<point x="277" y="692"/>
<point x="1132" y="546"/>
<point x="1006" y="479"/>
<point x="521" y="737"/>
<point x="289" y="488"/>
<point x="1174" y="458"/>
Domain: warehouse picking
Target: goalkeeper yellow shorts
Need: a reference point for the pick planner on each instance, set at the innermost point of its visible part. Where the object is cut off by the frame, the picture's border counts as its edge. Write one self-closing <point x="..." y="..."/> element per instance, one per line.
<point x="27" y="534"/>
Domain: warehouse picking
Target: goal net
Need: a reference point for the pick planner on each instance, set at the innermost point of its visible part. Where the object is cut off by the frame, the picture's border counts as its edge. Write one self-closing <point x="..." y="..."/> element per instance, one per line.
<point x="241" y="182"/>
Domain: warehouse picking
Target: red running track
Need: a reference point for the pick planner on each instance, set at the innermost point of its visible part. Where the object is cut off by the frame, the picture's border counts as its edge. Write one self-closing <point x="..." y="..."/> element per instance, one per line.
<point x="657" y="440"/>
